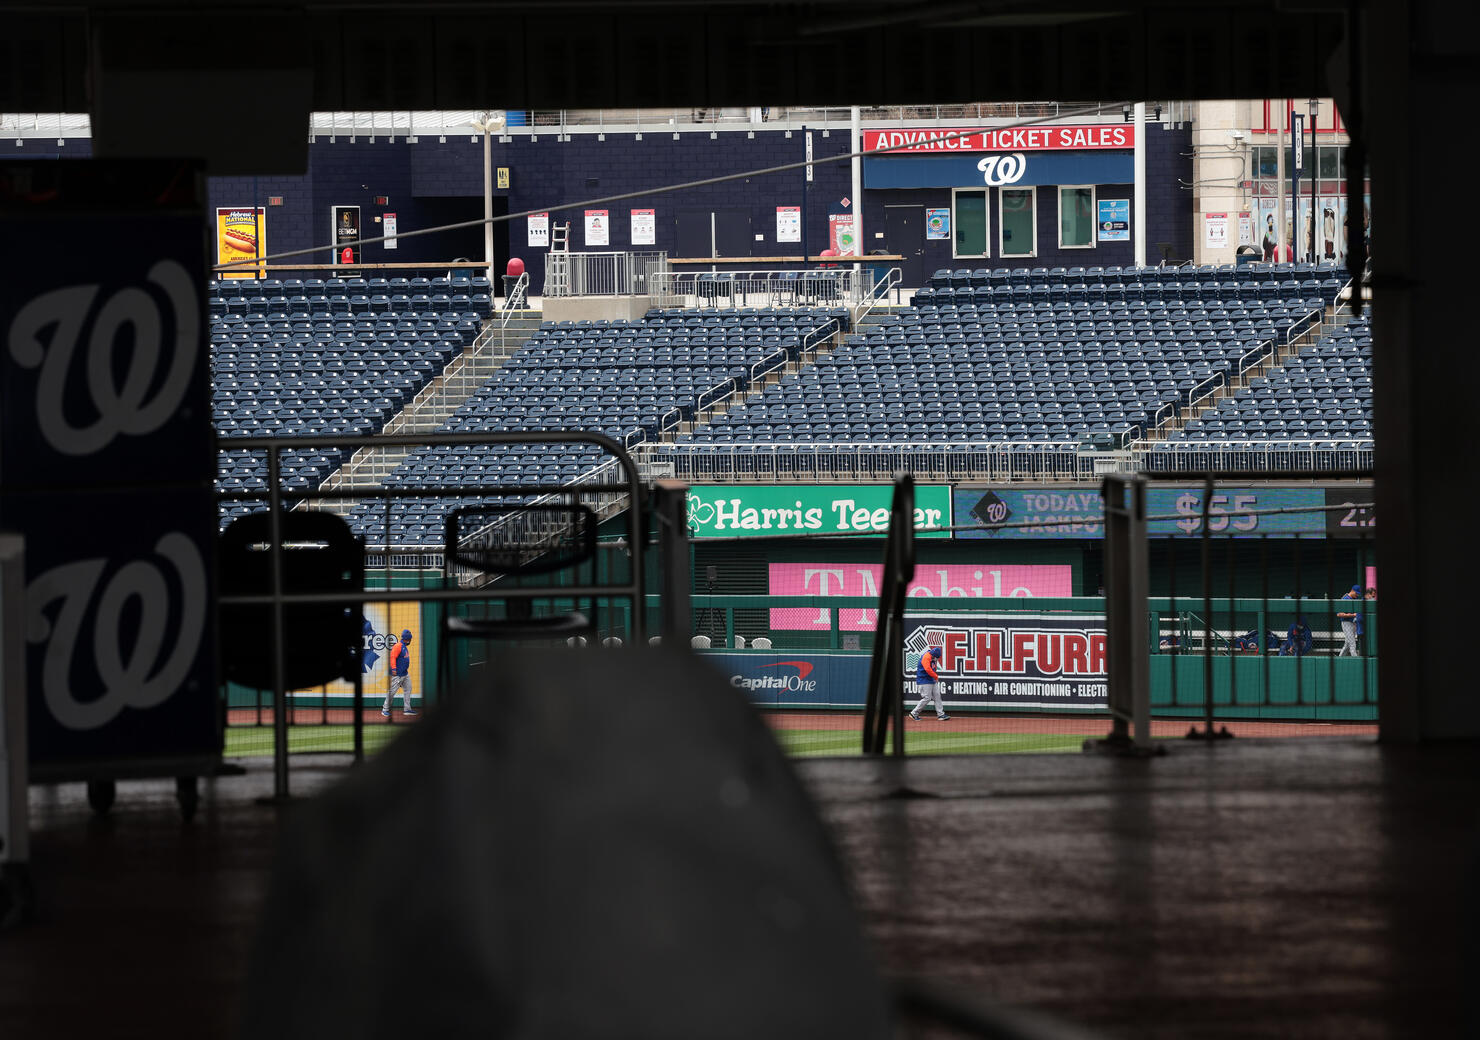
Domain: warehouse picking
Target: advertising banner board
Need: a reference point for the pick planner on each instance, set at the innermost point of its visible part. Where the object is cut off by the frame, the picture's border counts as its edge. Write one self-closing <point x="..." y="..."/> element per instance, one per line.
<point x="753" y="510"/>
<point x="931" y="580"/>
<point x="1007" y="660"/>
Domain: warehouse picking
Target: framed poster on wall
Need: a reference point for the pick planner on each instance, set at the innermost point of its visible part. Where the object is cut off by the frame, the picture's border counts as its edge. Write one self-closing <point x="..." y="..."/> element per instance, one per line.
<point x="938" y="224"/>
<point x="241" y="234"/>
<point x="345" y="234"/>
<point x="597" y="229"/>
<point x="788" y="223"/>
<point x="1115" y="220"/>
<point x="1216" y="228"/>
<point x="644" y="227"/>
<point x="538" y="225"/>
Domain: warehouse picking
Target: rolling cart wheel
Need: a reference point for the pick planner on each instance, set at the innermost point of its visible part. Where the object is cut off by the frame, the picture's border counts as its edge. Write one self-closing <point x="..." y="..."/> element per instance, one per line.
<point x="17" y="897"/>
<point x="187" y="794"/>
<point x="100" y="795"/>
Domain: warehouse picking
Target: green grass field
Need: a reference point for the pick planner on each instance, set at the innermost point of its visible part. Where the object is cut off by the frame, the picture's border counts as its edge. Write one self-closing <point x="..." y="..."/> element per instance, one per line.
<point x="805" y="742"/>
<point x="252" y="741"/>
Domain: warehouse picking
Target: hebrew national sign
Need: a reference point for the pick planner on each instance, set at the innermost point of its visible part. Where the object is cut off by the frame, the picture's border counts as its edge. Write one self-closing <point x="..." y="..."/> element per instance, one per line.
<point x="756" y="510"/>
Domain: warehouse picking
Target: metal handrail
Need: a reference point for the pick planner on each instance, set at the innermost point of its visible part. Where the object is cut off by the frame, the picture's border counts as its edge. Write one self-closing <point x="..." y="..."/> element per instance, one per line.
<point x="1255" y="355"/>
<point x="515" y="300"/>
<point x="769" y="363"/>
<point x="819" y="335"/>
<point x="1206" y="388"/>
<point x="719" y="392"/>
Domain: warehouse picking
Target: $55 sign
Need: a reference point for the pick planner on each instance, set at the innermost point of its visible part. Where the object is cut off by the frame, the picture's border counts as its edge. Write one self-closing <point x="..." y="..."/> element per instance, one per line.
<point x="1189" y="506"/>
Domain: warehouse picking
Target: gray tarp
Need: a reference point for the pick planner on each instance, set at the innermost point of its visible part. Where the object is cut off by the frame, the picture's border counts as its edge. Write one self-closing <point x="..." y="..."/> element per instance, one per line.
<point x="581" y="844"/>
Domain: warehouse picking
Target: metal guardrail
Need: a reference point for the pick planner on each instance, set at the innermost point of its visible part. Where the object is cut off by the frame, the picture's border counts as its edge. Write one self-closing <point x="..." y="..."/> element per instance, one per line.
<point x="602" y="274"/>
<point x="818" y="287"/>
<point x="1350" y="453"/>
<point x="845" y="463"/>
<point x="994" y="461"/>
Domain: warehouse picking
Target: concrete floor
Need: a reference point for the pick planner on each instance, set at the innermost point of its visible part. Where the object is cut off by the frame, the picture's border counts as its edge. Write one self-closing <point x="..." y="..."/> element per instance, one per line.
<point x="1291" y="888"/>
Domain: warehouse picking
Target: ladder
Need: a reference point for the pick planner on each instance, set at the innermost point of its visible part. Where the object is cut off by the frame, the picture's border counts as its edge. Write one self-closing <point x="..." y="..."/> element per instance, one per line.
<point x="557" y="262"/>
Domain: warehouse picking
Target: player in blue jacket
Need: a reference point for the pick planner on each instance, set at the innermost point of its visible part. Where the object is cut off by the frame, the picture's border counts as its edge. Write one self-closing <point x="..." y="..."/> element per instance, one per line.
<point x="927" y="681"/>
<point x="399" y="663"/>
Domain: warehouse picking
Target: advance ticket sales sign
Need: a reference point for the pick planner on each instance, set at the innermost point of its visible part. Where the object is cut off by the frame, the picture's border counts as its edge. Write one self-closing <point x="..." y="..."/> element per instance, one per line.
<point x="1025" y="661"/>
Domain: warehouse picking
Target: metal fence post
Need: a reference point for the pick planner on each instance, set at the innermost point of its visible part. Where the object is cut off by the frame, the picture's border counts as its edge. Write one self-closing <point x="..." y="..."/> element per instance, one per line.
<point x="1127" y="651"/>
<point x="670" y="510"/>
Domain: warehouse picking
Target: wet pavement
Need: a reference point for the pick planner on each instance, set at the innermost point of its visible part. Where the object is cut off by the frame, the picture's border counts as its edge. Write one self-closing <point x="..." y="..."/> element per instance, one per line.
<point x="1291" y="888"/>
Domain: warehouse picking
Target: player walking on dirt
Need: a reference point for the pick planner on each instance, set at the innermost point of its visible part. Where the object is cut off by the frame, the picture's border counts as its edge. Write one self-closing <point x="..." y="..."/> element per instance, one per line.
<point x="400" y="671"/>
<point x="927" y="681"/>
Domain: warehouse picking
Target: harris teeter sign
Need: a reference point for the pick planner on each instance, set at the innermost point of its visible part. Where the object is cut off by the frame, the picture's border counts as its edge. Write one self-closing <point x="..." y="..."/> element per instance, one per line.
<point x="754" y="510"/>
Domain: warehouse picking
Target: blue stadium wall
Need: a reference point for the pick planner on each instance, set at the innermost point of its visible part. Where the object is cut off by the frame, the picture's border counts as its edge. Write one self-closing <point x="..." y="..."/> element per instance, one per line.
<point x="417" y="179"/>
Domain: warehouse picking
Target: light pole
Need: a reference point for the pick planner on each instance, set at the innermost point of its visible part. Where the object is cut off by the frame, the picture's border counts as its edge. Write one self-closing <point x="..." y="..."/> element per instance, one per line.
<point x="487" y="123"/>
<point x="1297" y="163"/>
<point x="1315" y="173"/>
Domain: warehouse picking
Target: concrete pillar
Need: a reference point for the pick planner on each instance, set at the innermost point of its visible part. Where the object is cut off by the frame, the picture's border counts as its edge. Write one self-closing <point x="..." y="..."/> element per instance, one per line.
<point x="1420" y="71"/>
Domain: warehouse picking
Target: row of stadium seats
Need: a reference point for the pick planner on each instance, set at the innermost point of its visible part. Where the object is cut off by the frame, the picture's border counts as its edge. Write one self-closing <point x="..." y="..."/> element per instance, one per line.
<point x="1323" y="392"/>
<point x="1043" y="374"/>
<point x="342" y="376"/>
<point x="605" y="377"/>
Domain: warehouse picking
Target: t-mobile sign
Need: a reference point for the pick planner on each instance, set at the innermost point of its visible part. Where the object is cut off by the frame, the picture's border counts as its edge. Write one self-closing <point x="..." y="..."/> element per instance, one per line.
<point x="938" y="580"/>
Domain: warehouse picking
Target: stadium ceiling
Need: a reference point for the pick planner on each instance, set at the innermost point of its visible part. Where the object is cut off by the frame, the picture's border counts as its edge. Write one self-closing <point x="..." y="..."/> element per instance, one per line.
<point x="143" y="71"/>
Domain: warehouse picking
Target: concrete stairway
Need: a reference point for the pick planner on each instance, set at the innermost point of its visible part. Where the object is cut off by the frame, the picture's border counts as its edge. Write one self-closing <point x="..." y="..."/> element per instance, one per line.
<point x="499" y="339"/>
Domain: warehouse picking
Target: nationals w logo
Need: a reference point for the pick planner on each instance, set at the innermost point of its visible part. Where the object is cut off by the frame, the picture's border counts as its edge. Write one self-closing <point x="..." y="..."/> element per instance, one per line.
<point x="126" y="408"/>
<point x="122" y="626"/>
<point x="998" y="170"/>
